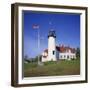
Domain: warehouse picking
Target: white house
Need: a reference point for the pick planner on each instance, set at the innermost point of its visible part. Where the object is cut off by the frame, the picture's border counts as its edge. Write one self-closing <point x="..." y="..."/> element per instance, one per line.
<point x="54" y="53"/>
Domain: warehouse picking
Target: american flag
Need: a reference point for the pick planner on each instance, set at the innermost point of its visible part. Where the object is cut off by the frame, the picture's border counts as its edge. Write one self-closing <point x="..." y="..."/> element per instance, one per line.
<point x="35" y="26"/>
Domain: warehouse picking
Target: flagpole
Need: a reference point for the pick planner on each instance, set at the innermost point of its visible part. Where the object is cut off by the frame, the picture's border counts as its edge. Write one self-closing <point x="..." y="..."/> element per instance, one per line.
<point x="38" y="42"/>
<point x="38" y="45"/>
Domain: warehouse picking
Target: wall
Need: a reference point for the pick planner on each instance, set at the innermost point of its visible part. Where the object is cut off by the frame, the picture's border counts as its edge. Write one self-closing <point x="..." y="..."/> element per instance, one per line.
<point x="67" y="55"/>
<point x="5" y="45"/>
<point x="51" y="49"/>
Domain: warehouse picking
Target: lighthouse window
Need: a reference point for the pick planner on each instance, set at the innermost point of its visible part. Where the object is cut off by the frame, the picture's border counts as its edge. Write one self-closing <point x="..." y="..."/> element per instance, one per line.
<point x="53" y="52"/>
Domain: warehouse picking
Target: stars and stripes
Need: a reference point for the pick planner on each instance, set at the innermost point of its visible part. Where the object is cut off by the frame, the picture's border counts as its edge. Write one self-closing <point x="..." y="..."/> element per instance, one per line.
<point x="35" y="26"/>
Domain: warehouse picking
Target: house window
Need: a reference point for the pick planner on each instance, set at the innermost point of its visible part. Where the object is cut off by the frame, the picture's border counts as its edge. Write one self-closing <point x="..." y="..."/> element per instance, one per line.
<point x="61" y="56"/>
<point x="64" y="56"/>
<point x="53" y="52"/>
<point x="68" y="57"/>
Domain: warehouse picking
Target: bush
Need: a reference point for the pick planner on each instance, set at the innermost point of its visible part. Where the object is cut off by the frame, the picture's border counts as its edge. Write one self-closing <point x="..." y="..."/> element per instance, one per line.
<point x="49" y="62"/>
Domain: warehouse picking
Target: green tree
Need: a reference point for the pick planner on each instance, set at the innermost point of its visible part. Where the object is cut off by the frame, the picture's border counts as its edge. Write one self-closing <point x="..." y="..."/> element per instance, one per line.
<point x="36" y="58"/>
<point x="26" y="59"/>
<point x="78" y="52"/>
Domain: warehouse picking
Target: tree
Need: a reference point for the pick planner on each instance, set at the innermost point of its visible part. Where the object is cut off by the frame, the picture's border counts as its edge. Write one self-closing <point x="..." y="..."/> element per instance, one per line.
<point x="78" y="52"/>
<point x="26" y="59"/>
<point x="36" y="58"/>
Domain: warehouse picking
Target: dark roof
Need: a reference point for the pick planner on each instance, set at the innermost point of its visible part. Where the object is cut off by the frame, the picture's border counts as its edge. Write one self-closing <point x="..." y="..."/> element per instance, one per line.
<point x="63" y="49"/>
<point x="46" y="50"/>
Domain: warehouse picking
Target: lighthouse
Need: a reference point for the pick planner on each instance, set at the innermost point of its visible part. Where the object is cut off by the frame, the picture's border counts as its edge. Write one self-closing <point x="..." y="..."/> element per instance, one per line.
<point x="54" y="53"/>
<point x="51" y="46"/>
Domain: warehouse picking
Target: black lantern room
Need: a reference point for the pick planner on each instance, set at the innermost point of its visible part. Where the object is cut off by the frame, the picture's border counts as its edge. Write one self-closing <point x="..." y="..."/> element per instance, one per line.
<point x="52" y="34"/>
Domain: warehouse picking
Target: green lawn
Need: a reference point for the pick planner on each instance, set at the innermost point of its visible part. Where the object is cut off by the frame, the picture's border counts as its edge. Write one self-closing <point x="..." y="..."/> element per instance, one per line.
<point x="52" y="68"/>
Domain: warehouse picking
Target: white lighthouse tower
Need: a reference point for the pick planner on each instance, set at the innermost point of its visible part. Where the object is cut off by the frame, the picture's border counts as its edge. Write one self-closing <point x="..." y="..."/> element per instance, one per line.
<point x="51" y="46"/>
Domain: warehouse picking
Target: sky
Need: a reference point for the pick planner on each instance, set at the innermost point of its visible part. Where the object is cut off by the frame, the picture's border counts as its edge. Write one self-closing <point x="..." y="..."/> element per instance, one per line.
<point x="66" y="26"/>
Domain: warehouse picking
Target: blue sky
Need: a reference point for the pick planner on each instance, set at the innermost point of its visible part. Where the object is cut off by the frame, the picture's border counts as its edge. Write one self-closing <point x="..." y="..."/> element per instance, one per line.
<point x="66" y="26"/>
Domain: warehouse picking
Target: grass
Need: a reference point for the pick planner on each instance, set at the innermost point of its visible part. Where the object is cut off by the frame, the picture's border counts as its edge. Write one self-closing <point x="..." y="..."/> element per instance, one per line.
<point x="63" y="67"/>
